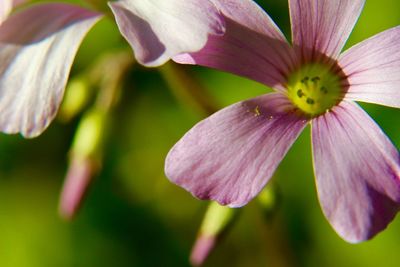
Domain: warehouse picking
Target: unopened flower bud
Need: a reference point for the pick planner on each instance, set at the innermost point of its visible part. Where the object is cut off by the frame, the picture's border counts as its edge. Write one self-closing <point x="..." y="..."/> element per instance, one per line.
<point x="84" y="161"/>
<point x="76" y="97"/>
<point x="215" y="222"/>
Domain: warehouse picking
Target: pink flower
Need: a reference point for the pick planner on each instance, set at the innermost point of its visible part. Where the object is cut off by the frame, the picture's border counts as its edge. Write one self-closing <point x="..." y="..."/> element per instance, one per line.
<point x="37" y="49"/>
<point x="230" y="156"/>
<point x="38" y="45"/>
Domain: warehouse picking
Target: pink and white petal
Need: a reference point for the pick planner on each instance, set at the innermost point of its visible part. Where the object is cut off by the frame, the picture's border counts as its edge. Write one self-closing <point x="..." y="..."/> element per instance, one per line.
<point x="37" y="48"/>
<point x="322" y="27"/>
<point x="250" y="15"/>
<point x="252" y="46"/>
<point x="230" y="156"/>
<point x="159" y="30"/>
<point x="6" y="7"/>
<point x="357" y="172"/>
<point x="373" y="69"/>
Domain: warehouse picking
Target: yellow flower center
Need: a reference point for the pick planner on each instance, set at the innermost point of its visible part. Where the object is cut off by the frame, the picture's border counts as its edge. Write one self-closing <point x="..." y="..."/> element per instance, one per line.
<point x="315" y="88"/>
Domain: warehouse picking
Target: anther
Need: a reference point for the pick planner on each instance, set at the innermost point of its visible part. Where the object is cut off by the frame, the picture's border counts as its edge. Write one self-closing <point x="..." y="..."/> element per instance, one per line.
<point x="324" y="90"/>
<point x="310" y="101"/>
<point x="305" y="79"/>
<point x="300" y="93"/>
<point x="315" y="79"/>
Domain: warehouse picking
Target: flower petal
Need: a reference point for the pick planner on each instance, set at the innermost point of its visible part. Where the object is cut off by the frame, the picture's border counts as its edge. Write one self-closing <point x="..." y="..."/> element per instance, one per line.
<point x="321" y="27"/>
<point x="373" y="69"/>
<point x="6" y="6"/>
<point x="159" y="30"/>
<point x="357" y="172"/>
<point x="252" y="45"/>
<point x="37" y="47"/>
<point x="231" y="155"/>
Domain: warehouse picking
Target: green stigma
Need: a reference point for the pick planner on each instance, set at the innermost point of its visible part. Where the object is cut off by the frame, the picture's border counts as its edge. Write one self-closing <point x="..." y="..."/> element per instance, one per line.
<point x="315" y="89"/>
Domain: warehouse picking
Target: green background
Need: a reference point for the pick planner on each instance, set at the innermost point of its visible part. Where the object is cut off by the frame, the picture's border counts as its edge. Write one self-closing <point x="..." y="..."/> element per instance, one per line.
<point x="133" y="216"/>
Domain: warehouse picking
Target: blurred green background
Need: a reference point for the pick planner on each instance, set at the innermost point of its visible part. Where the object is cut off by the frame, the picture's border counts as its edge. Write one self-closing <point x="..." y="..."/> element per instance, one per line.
<point x="133" y="216"/>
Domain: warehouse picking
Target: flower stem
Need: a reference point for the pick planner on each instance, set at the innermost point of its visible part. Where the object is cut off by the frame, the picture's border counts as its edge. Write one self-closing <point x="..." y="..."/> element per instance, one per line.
<point x="187" y="90"/>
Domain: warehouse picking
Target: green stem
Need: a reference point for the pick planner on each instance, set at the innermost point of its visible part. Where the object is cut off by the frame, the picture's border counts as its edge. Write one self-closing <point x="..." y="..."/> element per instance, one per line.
<point x="187" y="90"/>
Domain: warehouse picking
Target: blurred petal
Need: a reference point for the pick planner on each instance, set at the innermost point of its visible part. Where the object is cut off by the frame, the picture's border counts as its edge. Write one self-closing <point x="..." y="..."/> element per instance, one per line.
<point x="357" y="172"/>
<point x="373" y="69"/>
<point x="37" y="48"/>
<point x="252" y="45"/>
<point x="231" y="155"/>
<point x="6" y="7"/>
<point x="159" y="30"/>
<point x="322" y="26"/>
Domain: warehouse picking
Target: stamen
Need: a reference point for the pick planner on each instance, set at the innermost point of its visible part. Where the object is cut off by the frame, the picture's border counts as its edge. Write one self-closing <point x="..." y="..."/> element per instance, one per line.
<point x="308" y="88"/>
<point x="300" y="93"/>
<point x="316" y="79"/>
<point x="305" y="79"/>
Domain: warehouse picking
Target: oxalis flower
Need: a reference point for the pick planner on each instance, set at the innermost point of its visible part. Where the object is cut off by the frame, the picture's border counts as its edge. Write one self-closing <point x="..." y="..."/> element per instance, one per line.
<point x="230" y="156"/>
<point x="38" y="44"/>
